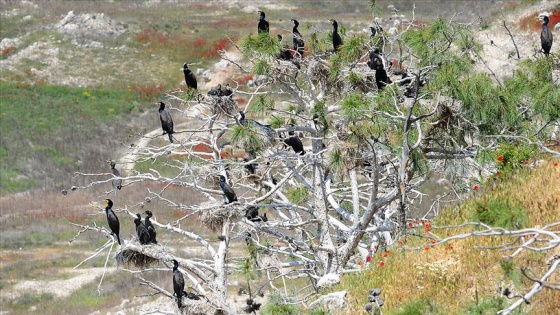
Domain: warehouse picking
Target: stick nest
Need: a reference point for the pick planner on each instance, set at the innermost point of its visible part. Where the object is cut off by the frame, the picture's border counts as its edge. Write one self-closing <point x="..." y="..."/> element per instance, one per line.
<point x="214" y="218"/>
<point x="139" y="259"/>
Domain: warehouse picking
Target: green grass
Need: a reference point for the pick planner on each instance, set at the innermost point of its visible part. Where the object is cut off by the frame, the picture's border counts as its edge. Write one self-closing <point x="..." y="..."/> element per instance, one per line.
<point x="53" y="127"/>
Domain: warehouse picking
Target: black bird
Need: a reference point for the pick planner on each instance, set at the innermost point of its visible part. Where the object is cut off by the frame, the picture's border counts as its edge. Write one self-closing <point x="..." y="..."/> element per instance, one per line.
<point x="218" y="91"/>
<point x="143" y="235"/>
<point x="116" y="182"/>
<point x="251" y="213"/>
<point x="265" y="132"/>
<point x="285" y="53"/>
<point x="151" y="228"/>
<point x="299" y="44"/>
<point x="178" y="283"/>
<point x="228" y="191"/>
<point x="263" y="24"/>
<point x="294" y="142"/>
<point x="376" y="63"/>
<point x="546" y="37"/>
<point x="250" y="167"/>
<point x="166" y="121"/>
<point x="373" y="32"/>
<point x="191" y="296"/>
<point x="190" y="79"/>
<point x="112" y="219"/>
<point x="336" y="39"/>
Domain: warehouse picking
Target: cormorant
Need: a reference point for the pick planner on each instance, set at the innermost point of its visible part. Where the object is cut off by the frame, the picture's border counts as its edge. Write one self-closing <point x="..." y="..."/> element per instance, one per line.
<point x="178" y="283"/>
<point x="250" y="167"/>
<point x="218" y="91"/>
<point x="299" y="45"/>
<point x="285" y="53"/>
<point x="376" y="63"/>
<point x="190" y="79"/>
<point x="251" y="213"/>
<point x="151" y="228"/>
<point x="191" y="296"/>
<point x="295" y="142"/>
<point x="228" y="191"/>
<point x="166" y="121"/>
<point x="336" y="39"/>
<point x="112" y="219"/>
<point x="116" y="182"/>
<point x="373" y="32"/>
<point x="263" y="24"/>
<point x="546" y="36"/>
<point x="265" y="131"/>
<point x="143" y="235"/>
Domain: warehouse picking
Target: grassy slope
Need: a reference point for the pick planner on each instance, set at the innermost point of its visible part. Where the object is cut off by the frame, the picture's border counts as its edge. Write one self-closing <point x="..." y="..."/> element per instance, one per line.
<point x="459" y="277"/>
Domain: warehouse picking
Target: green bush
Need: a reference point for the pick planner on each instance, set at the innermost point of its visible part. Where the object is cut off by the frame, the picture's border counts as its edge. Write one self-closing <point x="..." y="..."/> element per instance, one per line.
<point x="497" y="212"/>
<point x="417" y="307"/>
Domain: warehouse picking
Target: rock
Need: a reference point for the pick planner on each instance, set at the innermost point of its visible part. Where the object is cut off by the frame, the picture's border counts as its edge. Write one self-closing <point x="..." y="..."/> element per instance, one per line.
<point x="333" y="302"/>
<point x="328" y="280"/>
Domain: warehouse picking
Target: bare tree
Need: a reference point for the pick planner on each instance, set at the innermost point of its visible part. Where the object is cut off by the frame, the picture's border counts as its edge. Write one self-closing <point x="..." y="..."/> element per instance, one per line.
<point x="368" y="149"/>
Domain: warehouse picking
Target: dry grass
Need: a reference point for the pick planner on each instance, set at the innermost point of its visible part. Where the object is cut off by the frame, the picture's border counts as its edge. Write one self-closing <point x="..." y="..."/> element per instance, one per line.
<point x="454" y="275"/>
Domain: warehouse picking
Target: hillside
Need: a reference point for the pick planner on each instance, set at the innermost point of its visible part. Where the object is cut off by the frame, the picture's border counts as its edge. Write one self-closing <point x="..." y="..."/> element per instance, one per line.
<point x="79" y="86"/>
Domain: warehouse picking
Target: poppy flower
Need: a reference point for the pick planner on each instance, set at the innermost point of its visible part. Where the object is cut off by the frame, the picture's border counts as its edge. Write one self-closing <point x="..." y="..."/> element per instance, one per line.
<point x="368" y="258"/>
<point x="410" y="224"/>
<point x="361" y="263"/>
<point x="475" y="187"/>
<point x="426" y="248"/>
<point x="433" y="242"/>
<point x="556" y="164"/>
<point x="400" y="243"/>
<point x="381" y="263"/>
<point x="500" y="158"/>
<point x="498" y="174"/>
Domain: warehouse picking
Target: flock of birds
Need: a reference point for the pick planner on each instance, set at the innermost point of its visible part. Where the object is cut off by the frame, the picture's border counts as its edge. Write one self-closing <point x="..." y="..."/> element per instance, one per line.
<point x="146" y="231"/>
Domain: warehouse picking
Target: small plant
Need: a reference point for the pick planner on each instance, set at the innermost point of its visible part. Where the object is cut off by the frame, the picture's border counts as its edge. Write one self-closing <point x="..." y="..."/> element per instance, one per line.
<point x="498" y="212"/>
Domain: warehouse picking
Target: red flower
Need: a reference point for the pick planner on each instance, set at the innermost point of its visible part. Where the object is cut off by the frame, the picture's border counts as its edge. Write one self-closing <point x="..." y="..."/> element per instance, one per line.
<point x="410" y="224"/>
<point x="361" y="263"/>
<point x="475" y="187"/>
<point x="498" y="174"/>
<point x="400" y="243"/>
<point x="433" y="242"/>
<point x="381" y="263"/>
<point x="386" y="254"/>
<point x="500" y="158"/>
<point x="526" y="161"/>
<point x="556" y="164"/>
<point x="426" y="248"/>
<point x="368" y="258"/>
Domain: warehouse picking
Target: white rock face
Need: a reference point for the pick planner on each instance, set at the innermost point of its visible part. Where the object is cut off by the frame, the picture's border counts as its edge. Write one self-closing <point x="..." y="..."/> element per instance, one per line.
<point x="328" y="280"/>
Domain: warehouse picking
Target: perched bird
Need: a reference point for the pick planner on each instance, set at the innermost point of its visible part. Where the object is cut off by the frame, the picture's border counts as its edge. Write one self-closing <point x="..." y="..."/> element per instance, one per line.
<point x="294" y="142"/>
<point x="373" y="32"/>
<point x="143" y="235"/>
<point x="251" y="213"/>
<point x="218" y="91"/>
<point x="112" y="219"/>
<point x="250" y="167"/>
<point x="116" y="182"/>
<point x="299" y="44"/>
<point x="546" y="36"/>
<point x="376" y="63"/>
<point x="263" y="24"/>
<point x="285" y="53"/>
<point x="190" y="79"/>
<point x="191" y="296"/>
<point x="178" y="283"/>
<point x="265" y="132"/>
<point x="336" y="39"/>
<point x="166" y="121"/>
<point x="228" y="191"/>
<point x="150" y="227"/>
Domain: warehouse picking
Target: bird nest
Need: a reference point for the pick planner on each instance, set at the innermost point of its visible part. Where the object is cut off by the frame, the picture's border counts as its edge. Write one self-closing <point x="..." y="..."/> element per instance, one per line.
<point x="214" y="218"/>
<point x="130" y="257"/>
<point x="200" y="307"/>
<point x="224" y="105"/>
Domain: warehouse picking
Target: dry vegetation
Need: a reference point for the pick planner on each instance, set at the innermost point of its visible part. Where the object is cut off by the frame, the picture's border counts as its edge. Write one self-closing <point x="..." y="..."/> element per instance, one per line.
<point x="463" y="276"/>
